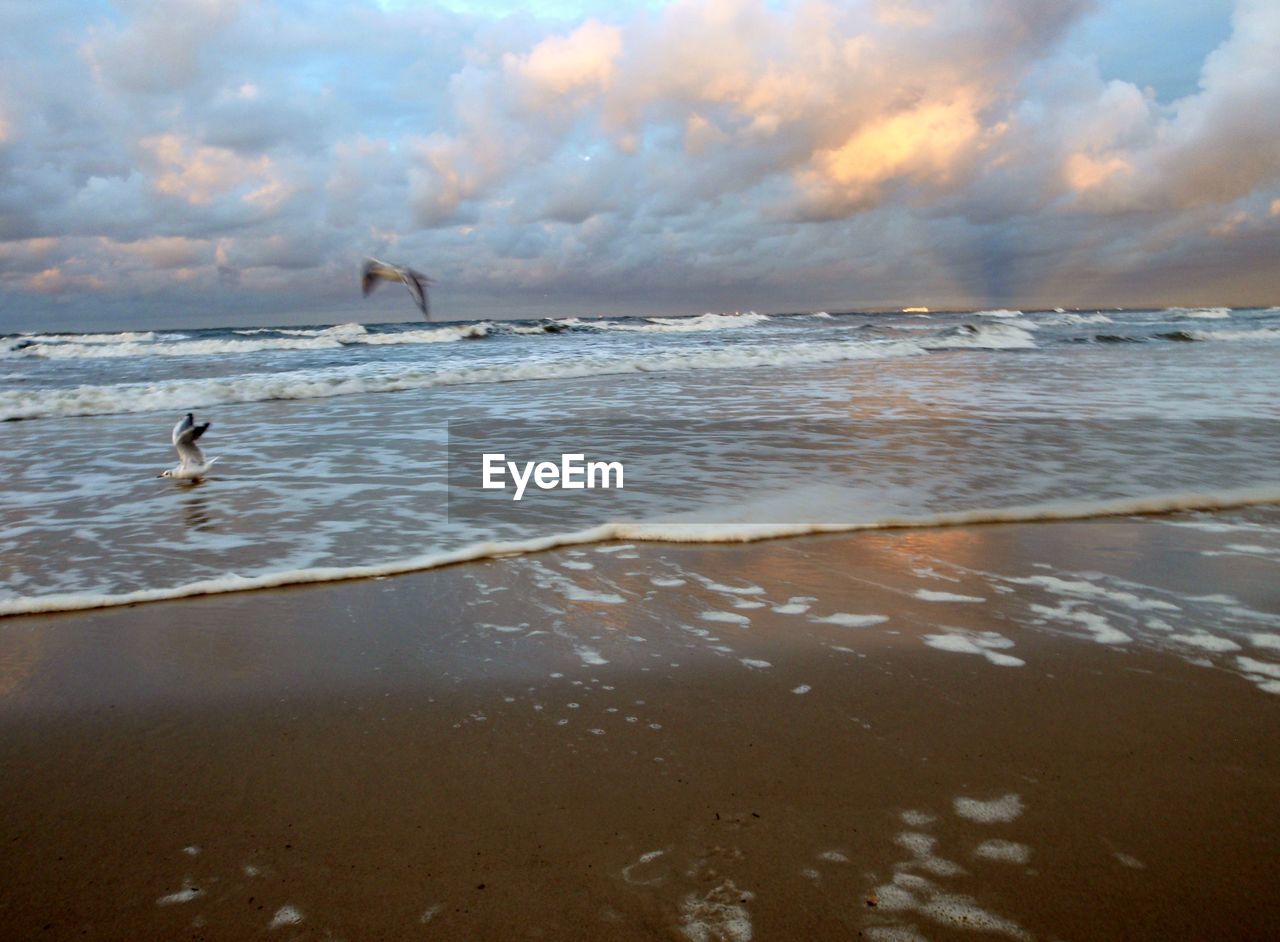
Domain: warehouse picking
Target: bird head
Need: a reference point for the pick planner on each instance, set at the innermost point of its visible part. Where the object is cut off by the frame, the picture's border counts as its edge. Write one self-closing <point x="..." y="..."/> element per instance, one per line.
<point x="165" y="474"/>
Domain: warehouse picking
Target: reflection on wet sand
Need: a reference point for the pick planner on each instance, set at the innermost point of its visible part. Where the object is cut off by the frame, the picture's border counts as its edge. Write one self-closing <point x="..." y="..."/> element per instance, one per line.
<point x="21" y="651"/>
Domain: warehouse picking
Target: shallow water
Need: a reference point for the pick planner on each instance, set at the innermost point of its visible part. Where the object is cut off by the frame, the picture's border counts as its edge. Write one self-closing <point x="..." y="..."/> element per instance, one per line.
<point x="334" y="443"/>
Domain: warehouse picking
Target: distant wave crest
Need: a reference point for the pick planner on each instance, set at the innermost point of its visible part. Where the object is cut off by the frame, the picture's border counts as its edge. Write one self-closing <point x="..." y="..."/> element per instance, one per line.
<point x="81" y="346"/>
<point x="1001" y="335"/>
<point x="342" y="381"/>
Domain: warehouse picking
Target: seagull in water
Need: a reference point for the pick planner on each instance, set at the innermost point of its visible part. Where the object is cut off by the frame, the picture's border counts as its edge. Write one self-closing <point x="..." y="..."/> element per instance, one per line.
<point x="415" y="281"/>
<point x="192" y="466"/>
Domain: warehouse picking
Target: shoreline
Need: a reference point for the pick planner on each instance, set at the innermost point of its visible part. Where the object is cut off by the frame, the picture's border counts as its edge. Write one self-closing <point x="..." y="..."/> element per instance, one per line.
<point x="654" y="533"/>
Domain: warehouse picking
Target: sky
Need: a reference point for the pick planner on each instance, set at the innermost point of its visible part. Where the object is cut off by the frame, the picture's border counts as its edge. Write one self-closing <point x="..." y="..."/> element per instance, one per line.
<point x="206" y="162"/>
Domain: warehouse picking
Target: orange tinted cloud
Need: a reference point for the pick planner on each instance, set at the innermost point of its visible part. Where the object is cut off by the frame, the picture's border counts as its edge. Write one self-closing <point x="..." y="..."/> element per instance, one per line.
<point x="198" y="173"/>
<point x="562" y="66"/>
<point x="923" y="143"/>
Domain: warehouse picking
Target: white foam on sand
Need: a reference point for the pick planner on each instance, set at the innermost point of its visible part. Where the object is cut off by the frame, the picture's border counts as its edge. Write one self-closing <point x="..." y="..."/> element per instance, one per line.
<point x="1084" y="589"/>
<point x="1251" y="548"/>
<point x="961" y="912"/>
<point x="797" y="605"/>
<point x="893" y="934"/>
<point x="1263" y="673"/>
<point x="184" y="895"/>
<point x="575" y="593"/>
<point x="1003" y="851"/>
<point x="285" y="916"/>
<point x="910" y="892"/>
<point x="1205" y="641"/>
<point x="995" y="811"/>
<point x="756" y="664"/>
<point x="1211" y="526"/>
<point x="719" y="916"/>
<point x="730" y="589"/>
<point x="847" y="620"/>
<point x="956" y="644"/>
<point x="570" y="589"/>
<point x="589" y="656"/>
<point x="504" y="629"/>
<point x="802" y="689"/>
<point x="1069" y="613"/>
<point x="921" y="847"/>
<point x="629" y="872"/>
<point x="989" y="644"/>
<point x="731" y="618"/>
<point x="929" y="595"/>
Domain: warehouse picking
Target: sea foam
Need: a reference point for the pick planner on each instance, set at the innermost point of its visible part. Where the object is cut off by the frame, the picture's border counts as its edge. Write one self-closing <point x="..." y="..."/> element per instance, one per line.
<point x="376" y="378"/>
<point x="641" y="532"/>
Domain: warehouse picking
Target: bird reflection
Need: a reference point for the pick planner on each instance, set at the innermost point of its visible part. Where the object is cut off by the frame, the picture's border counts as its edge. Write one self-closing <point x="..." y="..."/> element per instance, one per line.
<point x="196" y="513"/>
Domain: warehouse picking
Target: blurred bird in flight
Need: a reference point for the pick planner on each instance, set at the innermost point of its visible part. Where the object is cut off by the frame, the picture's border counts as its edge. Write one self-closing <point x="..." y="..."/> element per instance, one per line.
<point x="415" y="281"/>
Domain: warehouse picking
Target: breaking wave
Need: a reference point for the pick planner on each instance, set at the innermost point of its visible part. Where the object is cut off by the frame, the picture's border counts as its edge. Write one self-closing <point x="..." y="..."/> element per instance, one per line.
<point x="995" y="336"/>
<point x="1258" y="333"/>
<point x="80" y="346"/>
<point x="680" y="325"/>
<point x="1064" y="319"/>
<point x="1199" y="313"/>
<point x="375" y="378"/>
<point x="645" y="532"/>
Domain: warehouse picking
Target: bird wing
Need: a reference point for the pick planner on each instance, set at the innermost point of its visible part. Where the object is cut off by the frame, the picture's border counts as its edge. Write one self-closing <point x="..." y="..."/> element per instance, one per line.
<point x="183" y="426"/>
<point x="190" y="454"/>
<point x="417" y="283"/>
<point x="185" y="434"/>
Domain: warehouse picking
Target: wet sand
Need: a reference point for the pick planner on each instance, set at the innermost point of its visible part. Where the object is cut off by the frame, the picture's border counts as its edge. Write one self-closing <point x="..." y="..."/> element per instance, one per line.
<point x="573" y="746"/>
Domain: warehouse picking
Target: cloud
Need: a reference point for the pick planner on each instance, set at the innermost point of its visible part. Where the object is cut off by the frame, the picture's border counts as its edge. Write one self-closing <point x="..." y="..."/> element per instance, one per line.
<point x="1208" y="147"/>
<point x="161" y="47"/>
<point x="242" y="157"/>
<point x="562" y="68"/>
<point x="198" y="173"/>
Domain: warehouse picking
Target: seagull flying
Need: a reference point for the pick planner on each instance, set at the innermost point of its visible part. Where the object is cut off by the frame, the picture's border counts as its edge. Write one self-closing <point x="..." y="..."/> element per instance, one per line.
<point x="415" y="281"/>
<point x="192" y="466"/>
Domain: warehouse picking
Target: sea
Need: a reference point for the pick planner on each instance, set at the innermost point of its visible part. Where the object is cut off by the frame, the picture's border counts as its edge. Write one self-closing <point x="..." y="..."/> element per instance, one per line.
<point x="350" y="451"/>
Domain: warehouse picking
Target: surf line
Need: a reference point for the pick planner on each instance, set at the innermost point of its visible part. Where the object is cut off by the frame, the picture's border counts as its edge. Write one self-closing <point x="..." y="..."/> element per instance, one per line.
<point x="653" y="533"/>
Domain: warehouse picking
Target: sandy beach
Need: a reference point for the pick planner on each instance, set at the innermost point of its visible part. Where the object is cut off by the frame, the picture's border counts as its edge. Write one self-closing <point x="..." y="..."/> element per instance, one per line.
<point x="647" y="470"/>
<point x="866" y="736"/>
